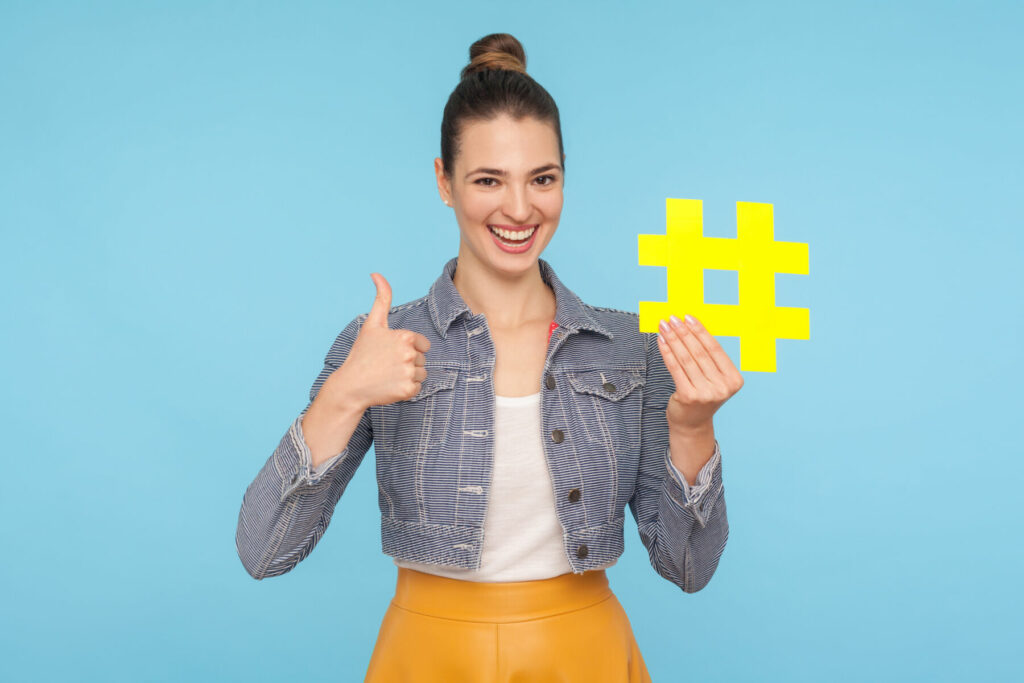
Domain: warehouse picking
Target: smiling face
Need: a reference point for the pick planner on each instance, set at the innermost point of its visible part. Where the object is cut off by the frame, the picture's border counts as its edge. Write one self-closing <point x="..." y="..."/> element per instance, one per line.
<point x="507" y="178"/>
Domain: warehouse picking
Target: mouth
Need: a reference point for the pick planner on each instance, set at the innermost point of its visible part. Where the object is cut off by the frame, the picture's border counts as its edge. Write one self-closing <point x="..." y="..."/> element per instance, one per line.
<point x="513" y="238"/>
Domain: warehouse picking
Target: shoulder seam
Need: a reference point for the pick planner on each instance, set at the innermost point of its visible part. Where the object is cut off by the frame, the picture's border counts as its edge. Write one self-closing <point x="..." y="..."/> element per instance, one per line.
<point x="408" y="304"/>
<point x="361" y="317"/>
<point x="614" y="310"/>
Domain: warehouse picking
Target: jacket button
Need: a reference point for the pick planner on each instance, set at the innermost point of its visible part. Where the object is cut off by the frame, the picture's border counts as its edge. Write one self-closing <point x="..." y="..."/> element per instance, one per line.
<point x="581" y="552"/>
<point x="550" y="381"/>
<point x="574" y="495"/>
<point x="608" y="386"/>
<point x="557" y="436"/>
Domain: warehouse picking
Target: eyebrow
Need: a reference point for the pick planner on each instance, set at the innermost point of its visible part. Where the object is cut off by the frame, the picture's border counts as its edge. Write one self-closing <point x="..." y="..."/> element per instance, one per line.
<point x="498" y="171"/>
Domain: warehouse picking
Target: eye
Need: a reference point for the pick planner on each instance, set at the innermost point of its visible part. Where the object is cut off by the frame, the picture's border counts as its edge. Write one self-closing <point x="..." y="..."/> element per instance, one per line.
<point x="481" y="181"/>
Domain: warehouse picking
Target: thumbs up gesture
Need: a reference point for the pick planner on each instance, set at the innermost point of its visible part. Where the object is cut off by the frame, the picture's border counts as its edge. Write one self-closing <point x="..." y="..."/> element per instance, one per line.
<point x="384" y="365"/>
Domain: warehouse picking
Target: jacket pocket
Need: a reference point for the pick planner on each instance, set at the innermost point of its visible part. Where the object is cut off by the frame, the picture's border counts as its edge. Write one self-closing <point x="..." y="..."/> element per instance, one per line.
<point x="420" y="423"/>
<point x="610" y="404"/>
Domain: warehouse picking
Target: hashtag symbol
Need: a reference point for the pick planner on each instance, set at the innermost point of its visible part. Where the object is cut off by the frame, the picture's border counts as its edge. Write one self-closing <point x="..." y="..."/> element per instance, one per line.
<point x="754" y="254"/>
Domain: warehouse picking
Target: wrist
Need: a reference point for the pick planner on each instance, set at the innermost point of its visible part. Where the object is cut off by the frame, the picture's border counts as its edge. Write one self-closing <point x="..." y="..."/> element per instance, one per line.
<point x="343" y="399"/>
<point x="690" y="449"/>
<point x="337" y="409"/>
<point x="699" y="431"/>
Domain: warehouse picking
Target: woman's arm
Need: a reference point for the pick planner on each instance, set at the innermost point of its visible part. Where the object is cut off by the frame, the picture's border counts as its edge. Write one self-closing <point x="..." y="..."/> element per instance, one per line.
<point x="287" y="507"/>
<point x="683" y="527"/>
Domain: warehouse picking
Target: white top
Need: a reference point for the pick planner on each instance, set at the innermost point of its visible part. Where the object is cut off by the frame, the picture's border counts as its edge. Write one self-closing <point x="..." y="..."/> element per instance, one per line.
<point x="522" y="535"/>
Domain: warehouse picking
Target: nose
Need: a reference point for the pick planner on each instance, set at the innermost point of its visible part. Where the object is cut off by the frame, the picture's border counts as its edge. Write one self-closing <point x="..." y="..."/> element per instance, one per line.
<point x="516" y="204"/>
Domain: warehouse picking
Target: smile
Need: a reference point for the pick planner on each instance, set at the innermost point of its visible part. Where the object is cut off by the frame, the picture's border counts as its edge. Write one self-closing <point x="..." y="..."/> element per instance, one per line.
<point x="516" y="235"/>
<point x="515" y="240"/>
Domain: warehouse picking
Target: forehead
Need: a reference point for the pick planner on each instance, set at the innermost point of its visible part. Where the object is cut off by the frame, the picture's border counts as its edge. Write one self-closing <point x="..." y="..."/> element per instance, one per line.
<point x="507" y="142"/>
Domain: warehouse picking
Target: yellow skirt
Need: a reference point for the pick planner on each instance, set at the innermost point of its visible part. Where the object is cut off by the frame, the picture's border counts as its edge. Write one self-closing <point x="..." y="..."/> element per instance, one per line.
<point x="566" y="628"/>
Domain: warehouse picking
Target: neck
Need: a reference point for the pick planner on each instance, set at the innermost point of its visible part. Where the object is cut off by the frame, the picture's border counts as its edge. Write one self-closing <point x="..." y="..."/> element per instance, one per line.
<point x="507" y="300"/>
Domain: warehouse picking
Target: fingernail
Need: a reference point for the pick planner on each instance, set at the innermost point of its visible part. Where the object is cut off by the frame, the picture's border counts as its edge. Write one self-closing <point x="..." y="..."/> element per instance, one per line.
<point x="676" y="321"/>
<point x="663" y="326"/>
<point x="691" y="321"/>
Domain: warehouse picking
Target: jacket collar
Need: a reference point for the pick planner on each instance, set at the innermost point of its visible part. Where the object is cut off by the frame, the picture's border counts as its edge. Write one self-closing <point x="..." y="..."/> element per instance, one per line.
<point x="446" y="304"/>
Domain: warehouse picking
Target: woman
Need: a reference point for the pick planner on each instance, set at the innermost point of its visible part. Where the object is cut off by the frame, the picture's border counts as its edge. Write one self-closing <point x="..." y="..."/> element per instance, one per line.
<point x="512" y="424"/>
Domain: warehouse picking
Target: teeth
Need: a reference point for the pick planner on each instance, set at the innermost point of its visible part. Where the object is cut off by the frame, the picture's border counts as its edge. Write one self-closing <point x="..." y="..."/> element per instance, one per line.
<point x="517" y="235"/>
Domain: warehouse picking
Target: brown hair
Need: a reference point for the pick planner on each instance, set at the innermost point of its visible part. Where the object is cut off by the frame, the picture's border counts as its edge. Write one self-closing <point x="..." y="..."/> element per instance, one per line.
<point x="494" y="82"/>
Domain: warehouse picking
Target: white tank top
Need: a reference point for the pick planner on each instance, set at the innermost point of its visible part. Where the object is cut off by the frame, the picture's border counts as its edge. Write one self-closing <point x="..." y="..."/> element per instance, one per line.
<point x="522" y="534"/>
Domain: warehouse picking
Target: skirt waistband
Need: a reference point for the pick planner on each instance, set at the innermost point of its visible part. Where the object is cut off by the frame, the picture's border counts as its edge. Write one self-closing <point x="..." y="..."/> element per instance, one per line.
<point x="505" y="601"/>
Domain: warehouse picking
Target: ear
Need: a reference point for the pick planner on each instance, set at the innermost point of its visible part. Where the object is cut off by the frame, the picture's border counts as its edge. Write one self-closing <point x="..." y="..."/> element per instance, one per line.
<point x="443" y="186"/>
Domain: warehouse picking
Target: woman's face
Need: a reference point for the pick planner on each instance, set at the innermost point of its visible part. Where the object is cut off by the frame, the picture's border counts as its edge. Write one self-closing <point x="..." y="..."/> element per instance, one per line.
<point x="507" y="176"/>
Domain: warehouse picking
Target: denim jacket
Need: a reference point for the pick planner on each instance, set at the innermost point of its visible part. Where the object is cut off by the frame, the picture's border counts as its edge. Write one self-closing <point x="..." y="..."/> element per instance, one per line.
<point x="604" y="393"/>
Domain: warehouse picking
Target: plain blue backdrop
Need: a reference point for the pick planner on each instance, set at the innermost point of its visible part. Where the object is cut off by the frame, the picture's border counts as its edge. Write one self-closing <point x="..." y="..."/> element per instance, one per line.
<point x="183" y="186"/>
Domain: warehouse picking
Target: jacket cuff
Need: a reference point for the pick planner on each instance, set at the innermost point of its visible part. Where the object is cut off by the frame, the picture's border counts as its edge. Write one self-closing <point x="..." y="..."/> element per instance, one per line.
<point x="295" y="461"/>
<point x="696" y="498"/>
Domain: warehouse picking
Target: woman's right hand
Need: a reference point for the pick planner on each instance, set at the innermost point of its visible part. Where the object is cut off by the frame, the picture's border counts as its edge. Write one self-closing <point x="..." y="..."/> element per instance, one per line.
<point x="383" y="366"/>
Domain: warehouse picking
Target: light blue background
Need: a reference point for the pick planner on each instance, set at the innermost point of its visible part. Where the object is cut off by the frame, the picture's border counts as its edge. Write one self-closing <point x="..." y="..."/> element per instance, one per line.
<point x="192" y="197"/>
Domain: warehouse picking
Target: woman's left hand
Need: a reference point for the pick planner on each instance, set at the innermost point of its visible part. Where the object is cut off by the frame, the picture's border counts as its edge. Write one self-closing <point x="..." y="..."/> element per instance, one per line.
<point x="705" y="377"/>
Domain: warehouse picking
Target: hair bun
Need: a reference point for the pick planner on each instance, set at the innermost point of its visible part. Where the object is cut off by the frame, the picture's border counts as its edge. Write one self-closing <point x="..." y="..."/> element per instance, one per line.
<point x="496" y="51"/>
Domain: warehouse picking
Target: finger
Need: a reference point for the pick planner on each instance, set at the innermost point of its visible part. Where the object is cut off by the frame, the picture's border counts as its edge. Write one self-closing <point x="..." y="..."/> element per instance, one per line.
<point x="700" y="354"/>
<point x="717" y="353"/>
<point x="419" y="374"/>
<point x="378" y="316"/>
<point x="419" y="360"/>
<point x="420" y="342"/>
<point x="683" y="384"/>
<point x="685" y="358"/>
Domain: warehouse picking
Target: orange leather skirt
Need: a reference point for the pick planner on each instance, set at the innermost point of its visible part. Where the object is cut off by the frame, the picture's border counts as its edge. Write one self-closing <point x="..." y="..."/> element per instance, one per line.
<point x="566" y="628"/>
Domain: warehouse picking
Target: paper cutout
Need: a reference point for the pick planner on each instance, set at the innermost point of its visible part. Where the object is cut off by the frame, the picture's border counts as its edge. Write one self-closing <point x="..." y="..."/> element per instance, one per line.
<point x="754" y="254"/>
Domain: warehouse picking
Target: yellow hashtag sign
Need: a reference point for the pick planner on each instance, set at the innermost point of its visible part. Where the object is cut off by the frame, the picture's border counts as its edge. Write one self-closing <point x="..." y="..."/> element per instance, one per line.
<point x="754" y="254"/>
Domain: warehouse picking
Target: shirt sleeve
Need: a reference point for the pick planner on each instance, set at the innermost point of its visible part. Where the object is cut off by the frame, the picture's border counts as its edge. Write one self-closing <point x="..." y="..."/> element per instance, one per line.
<point x="683" y="528"/>
<point x="286" y="509"/>
<point x="693" y="495"/>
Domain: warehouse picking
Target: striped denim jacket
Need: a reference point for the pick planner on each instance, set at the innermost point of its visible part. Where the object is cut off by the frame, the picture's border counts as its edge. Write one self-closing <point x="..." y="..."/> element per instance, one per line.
<point x="604" y="393"/>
